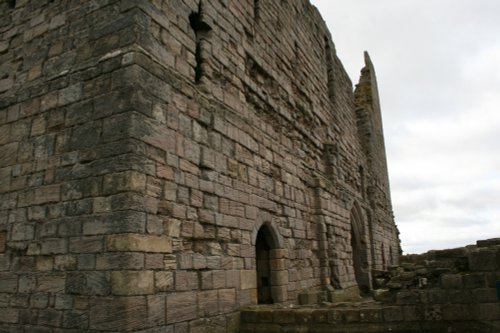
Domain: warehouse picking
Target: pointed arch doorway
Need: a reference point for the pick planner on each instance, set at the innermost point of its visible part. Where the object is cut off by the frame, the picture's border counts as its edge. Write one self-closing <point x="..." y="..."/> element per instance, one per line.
<point x="263" y="246"/>
<point x="359" y="251"/>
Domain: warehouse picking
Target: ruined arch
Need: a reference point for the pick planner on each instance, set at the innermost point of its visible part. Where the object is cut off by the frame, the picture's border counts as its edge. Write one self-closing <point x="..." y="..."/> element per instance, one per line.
<point x="359" y="249"/>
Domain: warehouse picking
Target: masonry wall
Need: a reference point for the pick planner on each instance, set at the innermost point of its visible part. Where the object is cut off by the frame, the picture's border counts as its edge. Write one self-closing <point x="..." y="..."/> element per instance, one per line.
<point x="144" y="143"/>
<point x="449" y="286"/>
<point x="455" y="290"/>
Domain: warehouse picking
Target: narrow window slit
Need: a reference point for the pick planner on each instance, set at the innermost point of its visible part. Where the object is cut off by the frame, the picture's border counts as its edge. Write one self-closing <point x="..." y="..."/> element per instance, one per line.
<point x="201" y="29"/>
<point x="256" y="10"/>
<point x="330" y="73"/>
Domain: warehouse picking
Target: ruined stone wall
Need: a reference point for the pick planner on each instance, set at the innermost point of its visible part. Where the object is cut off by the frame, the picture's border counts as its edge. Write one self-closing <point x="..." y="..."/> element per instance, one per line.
<point x="144" y="144"/>
<point x="455" y="285"/>
<point x="455" y="290"/>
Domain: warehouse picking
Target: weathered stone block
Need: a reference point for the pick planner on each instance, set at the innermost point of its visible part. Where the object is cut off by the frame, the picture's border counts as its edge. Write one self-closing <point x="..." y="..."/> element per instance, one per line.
<point x="118" y="222"/>
<point x="487" y="311"/>
<point x="484" y="260"/>
<point x="181" y="307"/>
<point x="407" y="297"/>
<point x="9" y="154"/>
<point x="172" y="227"/>
<point x="38" y="126"/>
<point x="437" y="296"/>
<point x="46" y="194"/>
<point x="451" y="281"/>
<point x="208" y="325"/>
<point x="51" y="283"/>
<point x="91" y="244"/>
<point x="219" y="279"/>
<point x="44" y="263"/>
<point x="278" y="264"/>
<point x="208" y="303"/>
<point x="485" y="295"/>
<point x="227" y="300"/>
<point x="49" y="317"/>
<point x="9" y="315"/>
<point x="19" y="300"/>
<point x="153" y="134"/>
<point x="75" y="320"/>
<point x="22" y="231"/>
<point x="393" y="314"/>
<point x="433" y="312"/>
<point x="186" y="280"/>
<point x="278" y="253"/>
<point x="124" y="181"/>
<point x="154" y="261"/>
<point x="370" y="315"/>
<point x="348" y="316"/>
<point x="457" y="312"/>
<point x="9" y="282"/>
<point x="156" y="310"/>
<point x="248" y="279"/>
<point x="460" y="295"/>
<point x="264" y="316"/>
<point x="283" y="316"/>
<point x="116" y="261"/>
<point x="232" y="279"/>
<point x="139" y="243"/>
<point x="3" y="242"/>
<point x="164" y="281"/>
<point x="63" y="302"/>
<point x="65" y="262"/>
<point x="39" y="301"/>
<point x="122" y="314"/>
<point x="280" y="293"/>
<point x="91" y="283"/>
<point x="132" y="282"/>
<point x="304" y="317"/>
<point x="85" y="136"/>
<point x="70" y="94"/>
<point x="54" y="246"/>
<point x="492" y="278"/>
<point x="279" y="278"/>
<point x="474" y="280"/>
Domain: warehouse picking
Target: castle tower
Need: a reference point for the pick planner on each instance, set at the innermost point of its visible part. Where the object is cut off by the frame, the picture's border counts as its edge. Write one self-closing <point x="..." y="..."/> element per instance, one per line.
<point x="164" y="164"/>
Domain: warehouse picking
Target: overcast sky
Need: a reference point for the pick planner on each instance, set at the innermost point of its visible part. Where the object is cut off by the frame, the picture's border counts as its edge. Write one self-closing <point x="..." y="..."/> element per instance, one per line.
<point x="438" y="70"/>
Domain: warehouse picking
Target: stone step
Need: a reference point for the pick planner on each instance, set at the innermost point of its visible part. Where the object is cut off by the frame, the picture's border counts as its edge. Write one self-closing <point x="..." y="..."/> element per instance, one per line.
<point x="362" y="317"/>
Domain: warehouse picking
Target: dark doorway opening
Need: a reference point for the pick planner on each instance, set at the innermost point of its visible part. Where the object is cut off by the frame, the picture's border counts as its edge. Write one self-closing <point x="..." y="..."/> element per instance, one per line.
<point x="357" y="259"/>
<point x="263" y="255"/>
<point x="359" y="253"/>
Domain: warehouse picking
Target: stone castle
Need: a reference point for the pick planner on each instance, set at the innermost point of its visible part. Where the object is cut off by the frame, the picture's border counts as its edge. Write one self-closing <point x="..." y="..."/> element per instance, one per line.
<point x="167" y="163"/>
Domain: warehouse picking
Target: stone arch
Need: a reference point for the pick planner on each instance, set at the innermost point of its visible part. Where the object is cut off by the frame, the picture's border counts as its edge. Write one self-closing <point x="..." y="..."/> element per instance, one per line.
<point x="274" y="231"/>
<point x="359" y="249"/>
<point x="269" y="264"/>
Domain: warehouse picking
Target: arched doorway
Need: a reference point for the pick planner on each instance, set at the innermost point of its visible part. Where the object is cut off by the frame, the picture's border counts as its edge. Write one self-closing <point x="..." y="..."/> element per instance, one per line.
<point x="359" y="251"/>
<point x="263" y="245"/>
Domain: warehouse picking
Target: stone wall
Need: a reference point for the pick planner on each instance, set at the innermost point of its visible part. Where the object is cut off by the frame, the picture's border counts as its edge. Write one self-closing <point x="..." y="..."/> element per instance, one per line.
<point x="447" y="285"/>
<point x="355" y="318"/>
<point x="144" y="144"/>
<point x="456" y="291"/>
